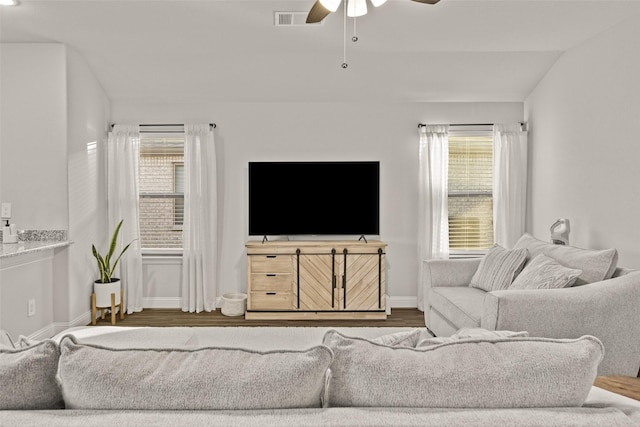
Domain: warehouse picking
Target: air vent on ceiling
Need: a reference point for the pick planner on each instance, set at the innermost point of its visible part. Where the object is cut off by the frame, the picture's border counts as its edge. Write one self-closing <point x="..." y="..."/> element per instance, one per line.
<point x="291" y="19"/>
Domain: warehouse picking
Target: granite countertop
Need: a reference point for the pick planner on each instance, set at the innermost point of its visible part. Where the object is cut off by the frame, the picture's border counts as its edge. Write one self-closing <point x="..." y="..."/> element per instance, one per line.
<point x="13" y="249"/>
<point x="34" y="241"/>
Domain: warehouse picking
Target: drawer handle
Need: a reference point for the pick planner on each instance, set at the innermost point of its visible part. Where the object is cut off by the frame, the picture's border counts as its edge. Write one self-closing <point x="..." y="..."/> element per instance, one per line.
<point x="271" y="275"/>
<point x="271" y="256"/>
<point x="271" y="293"/>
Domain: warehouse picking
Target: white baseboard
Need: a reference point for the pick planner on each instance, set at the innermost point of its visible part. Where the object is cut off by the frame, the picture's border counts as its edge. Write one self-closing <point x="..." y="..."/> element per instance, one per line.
<point x="57" y="327"/>
<point x="44" y="333"/>
<point x="403" y="302"/>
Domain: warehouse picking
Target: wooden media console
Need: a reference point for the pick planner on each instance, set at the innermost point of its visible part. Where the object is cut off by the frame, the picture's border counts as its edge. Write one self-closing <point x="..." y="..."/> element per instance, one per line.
<point x="300" y="280"/>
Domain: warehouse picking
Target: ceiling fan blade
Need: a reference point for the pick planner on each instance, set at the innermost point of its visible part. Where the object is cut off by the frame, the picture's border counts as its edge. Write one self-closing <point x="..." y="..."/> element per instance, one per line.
<point x="427" y="1"/>
<point x="317" y="13"/>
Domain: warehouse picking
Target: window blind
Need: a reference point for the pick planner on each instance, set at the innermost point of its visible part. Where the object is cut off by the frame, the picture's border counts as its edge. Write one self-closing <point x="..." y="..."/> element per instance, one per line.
<point x="161" y="190"/>
<point x="470" y="199"/>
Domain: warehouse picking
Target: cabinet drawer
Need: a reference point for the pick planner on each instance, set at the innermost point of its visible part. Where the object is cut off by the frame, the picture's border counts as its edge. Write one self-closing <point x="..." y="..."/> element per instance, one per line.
<point x="268" y="300"/>
<point x="271" y="282"/>
<point x="271" y="263"/>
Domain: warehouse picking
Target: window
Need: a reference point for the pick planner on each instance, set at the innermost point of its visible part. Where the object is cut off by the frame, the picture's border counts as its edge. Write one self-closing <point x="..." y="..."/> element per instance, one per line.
<point x="161" y="171"/>
<point x="178" y="188"/>
<point x="470" y="199"/>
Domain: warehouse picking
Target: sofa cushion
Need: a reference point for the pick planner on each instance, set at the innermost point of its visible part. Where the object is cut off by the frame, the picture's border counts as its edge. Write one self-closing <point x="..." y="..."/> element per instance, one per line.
<point x="469" y="373"/>
<point x="544" y="272"/>
<point x="28" y="377"/>
<point x="498" y="268"/>
<point x="461" y="305"/>
<point x="403" y="338"/>
<point x="596" y="265"/>
<point x="465" y="333"/>
<point x="97" y="377"/>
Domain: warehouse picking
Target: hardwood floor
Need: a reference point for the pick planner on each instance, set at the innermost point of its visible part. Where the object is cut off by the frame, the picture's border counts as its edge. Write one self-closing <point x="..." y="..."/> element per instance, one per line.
<point x="400" y="317"/>
<point x="626" y="386"/>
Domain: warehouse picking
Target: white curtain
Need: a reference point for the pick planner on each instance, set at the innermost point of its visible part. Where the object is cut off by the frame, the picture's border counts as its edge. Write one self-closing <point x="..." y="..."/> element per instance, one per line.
<point x="123" y="150"/>
<point x="433" y="221"/>
<point x="509" y="183"/>
<point x="199" y="265"/>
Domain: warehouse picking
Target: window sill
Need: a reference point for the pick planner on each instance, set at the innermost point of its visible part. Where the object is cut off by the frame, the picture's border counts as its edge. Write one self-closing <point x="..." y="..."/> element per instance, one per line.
<point x="159" y="252"/>
<point x="458" y="254"/>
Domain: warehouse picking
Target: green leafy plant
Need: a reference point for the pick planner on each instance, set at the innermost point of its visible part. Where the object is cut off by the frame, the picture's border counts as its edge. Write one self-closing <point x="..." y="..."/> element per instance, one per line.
<point x="104" y="262"/>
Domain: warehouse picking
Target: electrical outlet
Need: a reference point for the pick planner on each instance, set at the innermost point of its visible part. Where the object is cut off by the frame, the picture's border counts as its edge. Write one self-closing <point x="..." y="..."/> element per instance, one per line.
<point x="31" y="308"/>
<point x="5" y="210"/>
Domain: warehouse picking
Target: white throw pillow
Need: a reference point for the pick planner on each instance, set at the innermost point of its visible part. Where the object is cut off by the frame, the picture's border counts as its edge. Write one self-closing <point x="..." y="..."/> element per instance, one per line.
<point x="469" y="373"/>
<point x="207" y="378"/>
<point x="596" y="265"/>
<point x="24" y="342"/>
<point x="465" y="333"/>
<point x="498" y="268"/>
<point x="28" y="377"/>
<point x="544" y="272"/>
<point x="403" y="339"/>
<point x="5" y="340"/>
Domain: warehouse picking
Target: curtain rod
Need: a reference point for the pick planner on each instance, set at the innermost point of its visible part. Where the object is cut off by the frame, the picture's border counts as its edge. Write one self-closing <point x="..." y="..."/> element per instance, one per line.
<point x="466" y="124"/>
<point x="213" y="125"/>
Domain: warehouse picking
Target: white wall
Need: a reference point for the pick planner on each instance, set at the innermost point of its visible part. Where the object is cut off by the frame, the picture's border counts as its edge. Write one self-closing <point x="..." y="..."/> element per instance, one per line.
<point x="584" y="150"/>
<point x="54" y="120"/>
<point x="387" y="132"/>
<point x="33" y="113"/>
<point x="33" y="176"/>
<point x="89" y="113"/>
<point x="24" y="278"/>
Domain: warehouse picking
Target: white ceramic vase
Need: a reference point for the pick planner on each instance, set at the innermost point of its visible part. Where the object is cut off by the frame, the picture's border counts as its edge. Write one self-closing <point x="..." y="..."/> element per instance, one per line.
<point x="103" y="292"/>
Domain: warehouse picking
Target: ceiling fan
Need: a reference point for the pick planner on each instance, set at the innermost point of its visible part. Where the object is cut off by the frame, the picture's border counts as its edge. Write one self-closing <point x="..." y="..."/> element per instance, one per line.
<point x="322" y="8"/>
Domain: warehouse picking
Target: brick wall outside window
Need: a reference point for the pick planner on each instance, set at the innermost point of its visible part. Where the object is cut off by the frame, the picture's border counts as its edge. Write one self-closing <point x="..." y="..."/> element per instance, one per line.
<point x="158" y="228"/>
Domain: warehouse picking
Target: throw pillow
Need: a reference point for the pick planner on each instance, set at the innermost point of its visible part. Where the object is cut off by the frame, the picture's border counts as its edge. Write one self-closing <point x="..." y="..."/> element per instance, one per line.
<point x="596" y="265"/>
<point x="28" y="377"/>
<point x="5" y="340"/>
<point x="465" y="333"/>
<point x="498" y="268"/>
<point x="544" y="272"/>
<point x="403" y="339"/>
<point x="470" y="373"/>
<point x="24" y="342"/>
<point x="207" y="378"/>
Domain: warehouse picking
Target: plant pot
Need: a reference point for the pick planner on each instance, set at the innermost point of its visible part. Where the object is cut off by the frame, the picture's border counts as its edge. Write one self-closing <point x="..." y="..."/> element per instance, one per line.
<point x="103" y="292"/>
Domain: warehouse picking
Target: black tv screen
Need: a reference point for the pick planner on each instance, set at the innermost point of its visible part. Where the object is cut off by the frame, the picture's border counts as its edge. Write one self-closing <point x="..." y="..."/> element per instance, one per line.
<point x="314" y="198"/>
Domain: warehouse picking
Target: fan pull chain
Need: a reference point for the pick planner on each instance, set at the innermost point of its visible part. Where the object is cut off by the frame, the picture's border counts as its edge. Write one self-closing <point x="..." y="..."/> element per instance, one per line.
<point x="344" y="39"/>
<point x="355" y="36"/>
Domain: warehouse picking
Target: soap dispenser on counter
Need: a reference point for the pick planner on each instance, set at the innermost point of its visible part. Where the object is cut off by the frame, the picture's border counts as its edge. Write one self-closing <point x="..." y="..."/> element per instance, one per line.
<point x="9" y="231"/>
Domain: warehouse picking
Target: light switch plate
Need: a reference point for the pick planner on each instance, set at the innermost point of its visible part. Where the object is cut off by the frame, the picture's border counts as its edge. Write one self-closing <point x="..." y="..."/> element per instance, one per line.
<point x="5" y="210"/>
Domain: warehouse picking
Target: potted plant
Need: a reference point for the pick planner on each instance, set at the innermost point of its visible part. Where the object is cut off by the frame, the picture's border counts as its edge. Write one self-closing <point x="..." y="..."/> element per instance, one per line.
<point x="107" y="284"/>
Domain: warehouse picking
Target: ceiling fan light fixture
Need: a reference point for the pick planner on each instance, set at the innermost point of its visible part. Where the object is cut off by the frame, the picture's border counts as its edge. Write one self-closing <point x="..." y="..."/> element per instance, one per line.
<point x="377" y="3"/>
<point x="331" y="5"/>
<point x="356" y="8"/>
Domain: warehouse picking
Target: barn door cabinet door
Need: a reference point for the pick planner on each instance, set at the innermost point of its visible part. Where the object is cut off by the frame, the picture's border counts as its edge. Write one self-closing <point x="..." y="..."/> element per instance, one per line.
<point x="362" y="280"/>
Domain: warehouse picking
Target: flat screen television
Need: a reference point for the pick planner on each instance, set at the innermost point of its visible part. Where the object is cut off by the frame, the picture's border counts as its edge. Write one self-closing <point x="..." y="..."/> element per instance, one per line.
<point x="314" y="198"/>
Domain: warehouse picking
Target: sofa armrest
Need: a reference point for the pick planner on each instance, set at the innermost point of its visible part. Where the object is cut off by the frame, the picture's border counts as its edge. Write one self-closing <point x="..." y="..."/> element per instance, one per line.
<point x="449" y="272"/>
<point x="607" y="310"/>
<point x="446" y="272"/>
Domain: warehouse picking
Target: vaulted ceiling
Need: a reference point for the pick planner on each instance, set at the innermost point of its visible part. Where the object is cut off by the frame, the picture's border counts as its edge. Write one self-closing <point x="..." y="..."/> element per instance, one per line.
<point x="231" y="50"/>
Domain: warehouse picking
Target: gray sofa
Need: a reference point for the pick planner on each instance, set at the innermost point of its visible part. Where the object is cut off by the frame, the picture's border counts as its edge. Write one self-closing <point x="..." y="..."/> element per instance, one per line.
<point x="377" y="377"/>
<point x="605" y="302"/>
